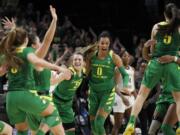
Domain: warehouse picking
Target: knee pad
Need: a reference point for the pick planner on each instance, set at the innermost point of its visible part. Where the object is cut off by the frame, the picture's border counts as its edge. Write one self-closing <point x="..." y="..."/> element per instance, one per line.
<point x="155" y="125"/>
<point x="158" y="118"/>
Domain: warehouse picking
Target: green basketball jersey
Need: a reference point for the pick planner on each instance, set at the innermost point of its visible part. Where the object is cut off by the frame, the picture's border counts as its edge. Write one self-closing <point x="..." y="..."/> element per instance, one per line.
<point x="22" y="78"/>
<point x="167" y="44"/>
<point x="67" y="88"/>
<point x="42" y="79"/>
<point x="102" y="73"/>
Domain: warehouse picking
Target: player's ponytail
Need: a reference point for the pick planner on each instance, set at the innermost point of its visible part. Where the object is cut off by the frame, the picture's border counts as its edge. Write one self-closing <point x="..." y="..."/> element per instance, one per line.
<point x="173" y="14"/>
<point x="10" y="43"/>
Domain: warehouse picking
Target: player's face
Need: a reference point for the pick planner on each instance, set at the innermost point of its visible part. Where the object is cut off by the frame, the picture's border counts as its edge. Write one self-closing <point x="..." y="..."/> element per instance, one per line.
<point x="78" y="62"/>
<point x="126" y="58"/>
<point x="104" y="44"/>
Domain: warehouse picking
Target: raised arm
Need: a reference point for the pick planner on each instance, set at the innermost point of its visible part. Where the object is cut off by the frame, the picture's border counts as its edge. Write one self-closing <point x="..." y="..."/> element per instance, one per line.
<point x="8" y="24"/>
<point x="42" y="51"/>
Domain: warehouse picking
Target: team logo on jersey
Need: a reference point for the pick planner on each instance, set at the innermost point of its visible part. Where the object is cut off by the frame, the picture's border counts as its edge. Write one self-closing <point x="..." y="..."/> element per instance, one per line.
<point x="14" y="70"/>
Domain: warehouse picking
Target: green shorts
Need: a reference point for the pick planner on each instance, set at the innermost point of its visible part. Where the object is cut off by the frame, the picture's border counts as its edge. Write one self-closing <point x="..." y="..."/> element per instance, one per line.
<point x="104" y="100"/>
<point x="156" y="71"/>
<point x="172" y="76"/>
<point x="1" y="126"/>
<point x="20" y="103"/>
<point x="165" y="98"/>
<point x="161" y="109"/>
<point x="65" y="110"/>
<point x="34" y="121"/>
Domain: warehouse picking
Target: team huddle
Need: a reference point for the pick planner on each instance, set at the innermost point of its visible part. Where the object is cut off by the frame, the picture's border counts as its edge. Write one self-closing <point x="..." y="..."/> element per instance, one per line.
<point x="31" y="106"/>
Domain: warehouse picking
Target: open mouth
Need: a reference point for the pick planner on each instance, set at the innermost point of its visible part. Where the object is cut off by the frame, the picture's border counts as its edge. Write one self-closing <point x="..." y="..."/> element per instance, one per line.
<point x="77" y="64"/>
<point x="104" y="49"/>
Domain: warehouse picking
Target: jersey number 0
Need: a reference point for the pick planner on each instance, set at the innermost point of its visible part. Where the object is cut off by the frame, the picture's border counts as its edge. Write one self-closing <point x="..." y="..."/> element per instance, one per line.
<point x="99" y="71"/>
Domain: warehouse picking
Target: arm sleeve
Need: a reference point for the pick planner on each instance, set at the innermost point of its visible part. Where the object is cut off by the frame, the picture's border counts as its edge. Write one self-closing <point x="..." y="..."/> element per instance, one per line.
<point x="125" y="76"/>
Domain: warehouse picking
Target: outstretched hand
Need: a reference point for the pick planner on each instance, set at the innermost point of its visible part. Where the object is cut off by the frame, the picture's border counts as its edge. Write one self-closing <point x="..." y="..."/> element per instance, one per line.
<point x="53" y="12"/>
<point x="8" y="24"/>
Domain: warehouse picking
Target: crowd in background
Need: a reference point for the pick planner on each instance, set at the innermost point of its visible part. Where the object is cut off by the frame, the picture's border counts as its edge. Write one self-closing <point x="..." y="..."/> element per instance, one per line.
<point x="68" y="39"/>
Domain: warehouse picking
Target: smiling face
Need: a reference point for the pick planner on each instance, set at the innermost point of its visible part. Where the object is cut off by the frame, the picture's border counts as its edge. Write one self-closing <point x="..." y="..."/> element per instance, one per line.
<point x="78" y="62"/>
<point x="104" y="43"/>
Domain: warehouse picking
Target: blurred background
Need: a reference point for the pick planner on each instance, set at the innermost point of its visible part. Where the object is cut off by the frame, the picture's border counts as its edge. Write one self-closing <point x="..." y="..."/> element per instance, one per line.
<point x="123" y="18"/>
<point x="79" y="24"/>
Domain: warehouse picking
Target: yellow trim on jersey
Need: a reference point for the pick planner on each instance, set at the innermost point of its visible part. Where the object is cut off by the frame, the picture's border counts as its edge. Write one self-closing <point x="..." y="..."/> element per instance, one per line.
<point x="111" y="98"/>
<point x="73" y="70"/>
<point x="112" y="94"/>
<point x="111" y="53"/>
<point x="109" y="102"/>
<point x="20" y="49"/>
<point x="84" y="70"/>
<point x="46" y="97"/>
<point x="34" y="92"/>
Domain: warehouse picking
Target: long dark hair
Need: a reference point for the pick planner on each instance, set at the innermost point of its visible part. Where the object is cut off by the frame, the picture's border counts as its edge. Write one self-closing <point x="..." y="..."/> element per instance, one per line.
<point x="8" y="45"/>
<point x="173" y="14"/>
<point x="104" y="34"/>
